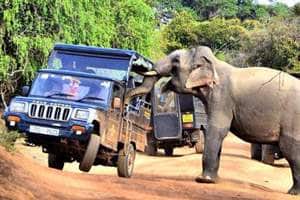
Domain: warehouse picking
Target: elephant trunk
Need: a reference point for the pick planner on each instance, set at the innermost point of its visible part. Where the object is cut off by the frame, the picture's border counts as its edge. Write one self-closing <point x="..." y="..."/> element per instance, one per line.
<point x="145" y="88"/>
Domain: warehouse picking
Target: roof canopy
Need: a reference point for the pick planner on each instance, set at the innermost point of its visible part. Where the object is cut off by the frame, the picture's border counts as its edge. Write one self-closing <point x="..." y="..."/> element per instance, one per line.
<point x="136" y="62"/>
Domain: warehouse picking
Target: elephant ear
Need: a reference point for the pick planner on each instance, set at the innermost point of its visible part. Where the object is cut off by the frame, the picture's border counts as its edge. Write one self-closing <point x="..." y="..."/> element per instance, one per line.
<point x="199" y="78"/>
<point x="203" y="69"/>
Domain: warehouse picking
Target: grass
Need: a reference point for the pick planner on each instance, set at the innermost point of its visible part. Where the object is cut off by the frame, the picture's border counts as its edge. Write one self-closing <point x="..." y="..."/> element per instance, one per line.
<point x="8" y="138"/>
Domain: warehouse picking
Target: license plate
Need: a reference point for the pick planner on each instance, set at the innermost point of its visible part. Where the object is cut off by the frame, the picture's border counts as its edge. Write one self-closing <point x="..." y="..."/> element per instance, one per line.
<point x="44" y="130"/>
<point x="187" y="118"/>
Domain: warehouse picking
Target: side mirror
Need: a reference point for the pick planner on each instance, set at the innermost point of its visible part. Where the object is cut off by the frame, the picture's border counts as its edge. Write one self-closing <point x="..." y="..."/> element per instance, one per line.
<point x="116" y="104"/>
<point x="25" y="90"/>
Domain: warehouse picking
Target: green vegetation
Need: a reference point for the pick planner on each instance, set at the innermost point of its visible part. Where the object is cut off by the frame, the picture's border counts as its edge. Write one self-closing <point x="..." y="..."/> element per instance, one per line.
<point x="296" y="9"/>
<point x="180" y="32"/>
<point x="276" y="45"/>
<point x="239" y="31"/>
<point x="28" y="30"/>
<point x="7" y="139"/>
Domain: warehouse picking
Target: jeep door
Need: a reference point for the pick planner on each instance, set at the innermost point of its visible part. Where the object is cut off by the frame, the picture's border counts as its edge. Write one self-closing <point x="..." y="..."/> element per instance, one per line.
<point x="113" y="121"/>
<point x="166" y="114"/>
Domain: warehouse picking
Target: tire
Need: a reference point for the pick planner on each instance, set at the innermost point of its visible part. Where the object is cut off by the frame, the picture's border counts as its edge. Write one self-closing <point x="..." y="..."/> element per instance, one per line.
<point x="125" y="163"/>
<point x="256" y="151"/>
<point x="268" y="154"/>
<point x="151" y="150"/>
<point x="277" y="153"/>
<point x="169" y="151"/>
<point x="55" y="161"/>
<point x="199" y="146"/>
<point x="90" y="153"/>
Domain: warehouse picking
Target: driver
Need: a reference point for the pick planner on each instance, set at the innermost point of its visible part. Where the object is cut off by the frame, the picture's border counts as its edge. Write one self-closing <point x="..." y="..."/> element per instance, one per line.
<point x="73" y="87"/>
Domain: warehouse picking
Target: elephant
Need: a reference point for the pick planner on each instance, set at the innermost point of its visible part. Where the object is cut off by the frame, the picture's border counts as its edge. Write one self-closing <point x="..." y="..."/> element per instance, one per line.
<point x="257" y="104"/>
<point x="164" y="68"/>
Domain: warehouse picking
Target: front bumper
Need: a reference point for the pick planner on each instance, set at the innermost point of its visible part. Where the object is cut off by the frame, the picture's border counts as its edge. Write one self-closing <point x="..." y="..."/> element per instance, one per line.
<point x="65" y="128"/>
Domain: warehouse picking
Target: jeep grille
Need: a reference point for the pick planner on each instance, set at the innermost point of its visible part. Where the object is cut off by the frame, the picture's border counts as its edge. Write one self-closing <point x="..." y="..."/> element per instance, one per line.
<point x="49" y="112"/>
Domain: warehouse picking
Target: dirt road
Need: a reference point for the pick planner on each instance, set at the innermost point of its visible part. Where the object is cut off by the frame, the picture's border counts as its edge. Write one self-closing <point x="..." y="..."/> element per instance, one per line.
<point x="24" y="175"/>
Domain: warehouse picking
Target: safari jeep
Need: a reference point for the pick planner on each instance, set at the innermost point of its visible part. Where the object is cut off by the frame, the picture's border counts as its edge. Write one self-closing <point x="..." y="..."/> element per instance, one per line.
<point x="74" y="109"/>
<point x="177" y="120"/>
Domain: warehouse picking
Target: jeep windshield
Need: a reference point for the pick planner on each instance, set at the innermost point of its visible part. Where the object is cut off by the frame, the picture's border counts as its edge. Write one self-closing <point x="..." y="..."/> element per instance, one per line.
<point x="115" y="68"/>
<point x="59" y="86"/>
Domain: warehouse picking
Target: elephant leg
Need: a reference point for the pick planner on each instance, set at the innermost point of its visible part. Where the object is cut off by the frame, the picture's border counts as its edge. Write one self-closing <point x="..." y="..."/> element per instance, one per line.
<point x="211" y="156"/>
<point x="295" y="168"/>
<point x="290" y="149"/>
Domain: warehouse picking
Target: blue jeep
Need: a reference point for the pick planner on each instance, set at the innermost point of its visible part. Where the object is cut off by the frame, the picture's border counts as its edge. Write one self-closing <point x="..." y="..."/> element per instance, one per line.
<point x="74" y="109"/>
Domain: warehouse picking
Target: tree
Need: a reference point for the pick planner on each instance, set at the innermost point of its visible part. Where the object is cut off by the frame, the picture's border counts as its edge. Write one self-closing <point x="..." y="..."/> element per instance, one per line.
<point x="28" y="30"/>
<point x="296" y="9"/>
<point x="276" y="45"/>
<point x="261" y="12"/>
<point x="246" y="9"/>
<point x="180" y="32"/>
<point x="280" y="9"/>
<point x="207" y="9"/>
<point x="221" y="34"/>
<point x="135" y="22"/>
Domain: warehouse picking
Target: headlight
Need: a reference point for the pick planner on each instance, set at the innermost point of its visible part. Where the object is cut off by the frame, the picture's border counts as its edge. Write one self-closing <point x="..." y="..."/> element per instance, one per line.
<point x="18" y="106"/>
<point x="81" y="114"/>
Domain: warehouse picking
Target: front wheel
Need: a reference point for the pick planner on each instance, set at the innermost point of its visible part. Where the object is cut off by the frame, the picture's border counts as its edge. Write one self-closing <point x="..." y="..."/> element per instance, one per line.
<point x="55" y="161"/>
<point x="268" y="154"/>
<point x="151" y="149"/>
<point x="90" y="153"/>
<point x="263" y="152"/>
<point x="126" y="162"/>
<point x="256" y="151"/>
<point x="169" y="151"/>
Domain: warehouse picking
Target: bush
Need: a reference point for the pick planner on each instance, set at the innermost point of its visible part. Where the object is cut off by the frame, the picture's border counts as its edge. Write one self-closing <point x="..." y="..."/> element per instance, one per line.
<point x="251" y="24"/>
<point x="296" y="9"/>
<point x="277" y="45"/>
<point x="221" y="34"/>
<point x="135" y="26"/>
<point x="28" y="30"/>
<point x="8" y="139"/>
<point x="181" y="32"/>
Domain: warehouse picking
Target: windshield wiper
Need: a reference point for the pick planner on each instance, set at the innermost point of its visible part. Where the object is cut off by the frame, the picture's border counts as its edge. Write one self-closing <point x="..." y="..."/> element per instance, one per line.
<point x="60" y="94"/>
<point x="91" y="97"/>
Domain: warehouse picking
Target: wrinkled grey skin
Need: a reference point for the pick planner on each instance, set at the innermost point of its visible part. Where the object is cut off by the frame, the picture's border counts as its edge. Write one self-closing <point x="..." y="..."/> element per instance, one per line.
<point x="259" y="105"/>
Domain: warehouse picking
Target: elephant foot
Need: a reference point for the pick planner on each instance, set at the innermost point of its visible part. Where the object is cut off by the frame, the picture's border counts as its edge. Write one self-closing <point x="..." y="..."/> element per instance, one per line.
<point x="294" y="191"/>
<point x="205" y="179"/>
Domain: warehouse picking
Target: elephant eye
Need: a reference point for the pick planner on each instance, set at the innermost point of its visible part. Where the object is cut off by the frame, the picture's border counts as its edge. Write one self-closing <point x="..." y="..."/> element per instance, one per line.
<point x="195" y="66"/>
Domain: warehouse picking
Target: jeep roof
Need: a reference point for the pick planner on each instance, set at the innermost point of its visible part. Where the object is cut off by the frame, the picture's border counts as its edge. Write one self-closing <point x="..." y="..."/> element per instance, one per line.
<point x="136" y="62"/>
